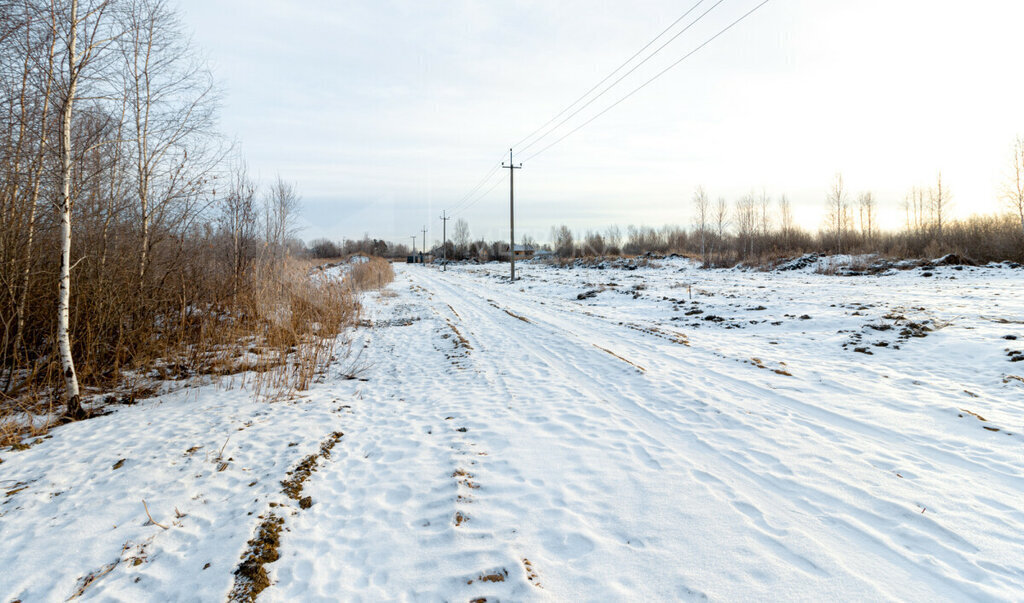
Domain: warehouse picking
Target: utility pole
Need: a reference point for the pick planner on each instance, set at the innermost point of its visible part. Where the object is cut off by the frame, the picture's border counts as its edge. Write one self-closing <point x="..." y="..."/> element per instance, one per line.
<point x="444" y="239"/>
<point x="511" y="212"/>
<point x="424" y="242"/>
<point x="413" y="248"/>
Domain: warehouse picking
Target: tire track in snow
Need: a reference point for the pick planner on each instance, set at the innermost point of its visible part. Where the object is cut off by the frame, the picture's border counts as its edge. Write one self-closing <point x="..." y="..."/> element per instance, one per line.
<point x="694" y="360"/>
<point x="563" y="359"/>
<point x="422" y="460"/>
<point x="824" y="425"/>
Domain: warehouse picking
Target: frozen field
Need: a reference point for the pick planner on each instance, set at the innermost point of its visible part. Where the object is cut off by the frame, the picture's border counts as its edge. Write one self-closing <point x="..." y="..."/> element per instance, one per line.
<point x="583" y="434"/>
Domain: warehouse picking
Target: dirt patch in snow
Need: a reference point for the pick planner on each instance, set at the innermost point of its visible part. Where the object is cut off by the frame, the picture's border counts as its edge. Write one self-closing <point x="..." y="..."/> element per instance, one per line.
<point x="251" y="575"/>
<point x="514" y="315"/>
<point x="669" y="335"/>
<point x="494" y="576"/>
<point x="292" y="487"/>
<point x="531" y="574"/>
<point x="629" y="362"/>
<point x="460" y="340"/>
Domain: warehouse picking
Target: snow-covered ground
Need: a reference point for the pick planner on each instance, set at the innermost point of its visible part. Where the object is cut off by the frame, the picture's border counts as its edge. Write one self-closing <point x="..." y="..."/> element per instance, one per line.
<point x="582" y="434"/>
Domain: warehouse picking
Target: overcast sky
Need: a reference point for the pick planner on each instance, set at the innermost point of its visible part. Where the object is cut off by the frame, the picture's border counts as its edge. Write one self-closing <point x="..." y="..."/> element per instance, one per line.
<point x="385" y="113"/>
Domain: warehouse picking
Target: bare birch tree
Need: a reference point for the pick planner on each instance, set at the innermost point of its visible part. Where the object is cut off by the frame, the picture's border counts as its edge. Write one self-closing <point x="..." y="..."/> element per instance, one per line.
<point x="613" y="239"/>
<point x="838" y="211"/>
<point x="170" y="101"/>
<point x="914" y="206"/>
<point x="240" y="217"/>
<point x="866" y="214"/>
<point x="1013" y="191"/>
<point x="281" y="208"/>
<point x="764" y="217"/>
<point x="721" y="217"/>
<point x="702" y="209"/>
<point x="746" y="213"/>
<point x="786" y="220"/>
<point x="73" y="64"/>
<point x="563" y="241"/>
<point x="939" y="202"/>
<point x="461" y="236"/>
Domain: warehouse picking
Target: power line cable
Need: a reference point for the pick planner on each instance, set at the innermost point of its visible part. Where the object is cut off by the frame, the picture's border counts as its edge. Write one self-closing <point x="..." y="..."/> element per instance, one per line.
<point x="623" y="76"/>
<point x="607" y="77"/>
<point x="494" y="169"/>
<point x="642" y="86"/>
<point x="470" y="200"/>
<point x="487" y="192"/>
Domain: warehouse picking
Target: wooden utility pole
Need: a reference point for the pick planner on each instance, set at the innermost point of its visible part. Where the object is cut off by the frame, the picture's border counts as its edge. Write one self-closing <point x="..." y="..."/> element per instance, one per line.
<point x="511" y="212"/>
<point x="424" y="243"/>
<point x="444" y="239"/>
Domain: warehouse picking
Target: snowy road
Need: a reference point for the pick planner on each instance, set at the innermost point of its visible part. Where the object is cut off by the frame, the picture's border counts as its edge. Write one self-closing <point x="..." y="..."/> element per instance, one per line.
<point x="657" y="433"/>
<point x="584" y="452"/>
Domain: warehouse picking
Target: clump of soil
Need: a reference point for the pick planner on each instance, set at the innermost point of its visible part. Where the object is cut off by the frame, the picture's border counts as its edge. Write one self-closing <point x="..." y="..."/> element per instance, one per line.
<point x="953" y="259"/>
<point x="292" y="487"/>
<point x="914" y="329"/>
<point x="495" y="576"/>
<point x="531" y="575"/>
<point x="460" y="340"/>
<point x="760" y="364"/>
<point x="251" y="576"/>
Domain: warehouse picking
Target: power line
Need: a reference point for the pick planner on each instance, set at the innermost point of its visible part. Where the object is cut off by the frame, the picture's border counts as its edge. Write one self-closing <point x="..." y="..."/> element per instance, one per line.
<point x="607" y="77"/>
<point x="468" y="199"/>
<point x="485" y="193"/>
<point x="625" y="75"/>
<point x="465" y="202"/>
<point x="490" y="173"/>
<point x="642" y="86"/>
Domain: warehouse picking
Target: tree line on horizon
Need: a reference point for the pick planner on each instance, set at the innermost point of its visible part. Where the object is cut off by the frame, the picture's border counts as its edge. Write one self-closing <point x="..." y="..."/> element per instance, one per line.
<point x="756" y="229"/>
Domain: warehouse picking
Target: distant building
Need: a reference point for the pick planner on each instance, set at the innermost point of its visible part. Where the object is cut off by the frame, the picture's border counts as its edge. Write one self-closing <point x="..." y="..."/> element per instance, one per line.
<point x="524" y="252"/>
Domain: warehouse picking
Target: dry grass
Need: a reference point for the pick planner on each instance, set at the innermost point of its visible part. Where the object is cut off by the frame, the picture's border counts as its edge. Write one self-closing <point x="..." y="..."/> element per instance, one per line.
<point x="27" y="417"/>
<point x="374" y="274"/>
<point x="275" y="336"/>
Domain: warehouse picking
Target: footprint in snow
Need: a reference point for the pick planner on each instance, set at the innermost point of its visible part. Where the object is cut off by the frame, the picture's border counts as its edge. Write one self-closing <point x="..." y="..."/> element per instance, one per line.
<point x="568" y="546"/>
<point x="399" y="495"/>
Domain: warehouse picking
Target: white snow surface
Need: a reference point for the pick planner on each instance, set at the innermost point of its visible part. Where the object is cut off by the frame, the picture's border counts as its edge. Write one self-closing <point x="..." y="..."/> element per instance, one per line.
<point x="624" y="444"/>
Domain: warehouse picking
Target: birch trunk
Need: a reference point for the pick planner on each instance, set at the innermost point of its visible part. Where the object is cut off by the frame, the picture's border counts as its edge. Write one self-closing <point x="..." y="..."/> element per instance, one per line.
<point x="67" y="363"/>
